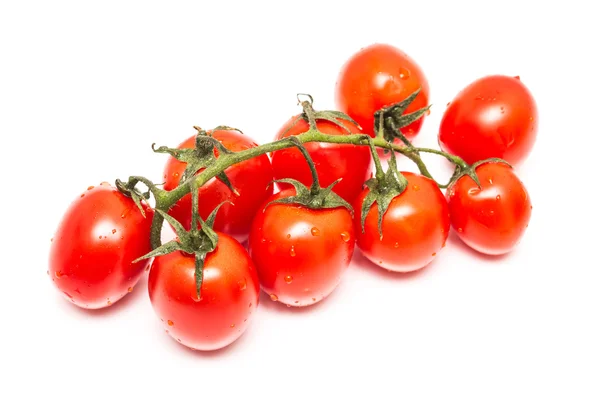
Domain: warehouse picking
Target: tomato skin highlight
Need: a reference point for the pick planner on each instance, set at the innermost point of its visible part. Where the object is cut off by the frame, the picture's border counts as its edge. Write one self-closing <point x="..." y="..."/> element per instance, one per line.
<point x="251" y="178"/>
<point x="333" y="161"/>
<point x="493" y="219"/>
<point x="494" y="116"/>
<point x="92" y="252"/>
<point x="301" y="254"/>
<point x="415" y="227"/>
<point x="378" y="76"/>
<point x="228" y="301"/>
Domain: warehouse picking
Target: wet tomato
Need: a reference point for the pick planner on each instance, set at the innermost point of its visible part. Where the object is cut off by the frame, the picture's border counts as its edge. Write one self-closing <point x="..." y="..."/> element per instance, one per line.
<point x="251" y="178"/>
<point x="415" y="227"/>
<point x="300" y="253"/>
<point x="228" y="300"/>
<point x="492" y="218"/>
<point x="93" y="249"/>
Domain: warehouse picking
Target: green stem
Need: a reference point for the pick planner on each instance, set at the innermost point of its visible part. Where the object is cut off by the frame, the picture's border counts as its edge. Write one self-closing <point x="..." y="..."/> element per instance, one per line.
<point x="453" y="159"/>
<point x="166" y="199"/>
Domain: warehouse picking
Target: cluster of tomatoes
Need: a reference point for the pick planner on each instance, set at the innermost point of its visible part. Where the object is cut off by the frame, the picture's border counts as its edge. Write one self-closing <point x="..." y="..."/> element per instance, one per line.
<point x="296" y="248"/>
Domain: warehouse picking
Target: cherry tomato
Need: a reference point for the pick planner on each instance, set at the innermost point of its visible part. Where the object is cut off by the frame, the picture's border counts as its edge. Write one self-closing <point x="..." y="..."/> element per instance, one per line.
<point x="300" y="253"/>
<point x="333" y="161"/>
<point x="491" y="219"/>
<point x="251" y="178"/>
<point x="228" y="297"/>
<point x="93" y="249"/>
<point x="495" y="116"/>
<point x="378" y="76"/>
<point x="415" y="227"/>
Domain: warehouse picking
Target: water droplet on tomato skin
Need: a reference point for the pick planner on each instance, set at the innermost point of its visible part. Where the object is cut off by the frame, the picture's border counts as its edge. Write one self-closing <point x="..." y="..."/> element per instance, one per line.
<point x="250" y="305"/>
<point x="100" y="237"/>
<point x="345" y="236"/>
<point x="288" y="279"/>
<point x="490" y="181"/>
<point x="82" y="195"/>
<point x="473" y="191"/>
<point x="315" y="231"/>
<point x="129" y="289"/>
<point x="447" y="104"/>
<point x="314" y="299"/>
<point x="51" y="240"/>
<point x="416" y="188"/>
<point x="77" y="291"/>
<point x="296" y="302"/>
<point x="263" y="240"/>
<point x="518" y="77"/>
<point x="68" y="295"/>
<point x="274" y="297"/>
<point x="498" y="198"/>
<point x="428" y="112"/>
<point x="288" y="236"/>
<point x="396" y="245"/>
<point x="170" y="323"/>
<point x="403" y="73"/>
<point x="175" y="174"/>
<point x="292" y="252"/>
<point x="90" y="187"/>
<point x="460" y="230"/>
<point x="114" y="231"/>
<point x="242" y="284"/>
<point x="58" y="274"/>
<point x="123" y="216"/>
<point x="108" y="302"/>
<point x="433" y="254"/>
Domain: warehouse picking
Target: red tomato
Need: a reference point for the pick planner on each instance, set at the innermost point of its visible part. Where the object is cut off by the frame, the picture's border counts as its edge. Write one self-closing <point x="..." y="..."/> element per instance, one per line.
<point x="378" y="76"/>
<point x="492" y="219"/>
<point x="92" y="251"/>
<point x="229" y="295"/>
<point x="495" y="116"/>
<point x="300" y="253"/>
<point x="251" y="178"/>
<point x="415" y="227"/>
<point x="333" y="161"/>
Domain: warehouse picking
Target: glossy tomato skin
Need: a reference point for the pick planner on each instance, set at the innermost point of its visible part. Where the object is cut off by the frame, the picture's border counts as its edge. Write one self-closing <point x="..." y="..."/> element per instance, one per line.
<point x="415" y="227"/>
<point x="228" y="301"/>
<point x="492" y="219"/>
<point x="92" y="252"/>
<point x="301" y="254"/>
<point x="378" y="76"/>
<point x="495" y="116"/>
<point x="251" y="178"/>
<point x="333" y="161"/>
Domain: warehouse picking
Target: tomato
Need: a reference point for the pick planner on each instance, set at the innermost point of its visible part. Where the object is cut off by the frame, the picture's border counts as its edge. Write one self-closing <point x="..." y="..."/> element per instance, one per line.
<point x="491" y="219"/>
<point x="495" y="116"/>
<point x="228" y="297"/>
<point x="300" y="253"/>
<point x="378" y="76"/>
<point x="333" y="161"/>
<point x="91" y="254"/>
<point x="251" y="178"/>
<point x="415" y="227"/>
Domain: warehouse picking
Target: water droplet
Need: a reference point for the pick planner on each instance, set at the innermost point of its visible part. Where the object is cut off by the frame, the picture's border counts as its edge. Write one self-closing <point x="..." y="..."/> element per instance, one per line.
<point x="100" y="237"/>
<point x="443" y="244"/>
<point x="109" y="302"/>
<point x="403" y="73"/>
<point x="114" y="231"/>
<point x="130" y="289"/>
<point x="315" y="231"/>
<point x="167" y="331"/>
<point x="104" y="183"/>
<point x="48" y="272"/>
<point x="179" y="340"/>
<point x="263" y="240"/>
<point x="433" y="254"/>
<point x="288" y="279"/>
<point x="242" y="284"/>
<point x="447" y="104"/>
<point x="288" y="236"/>
<point x="77" y="291"/>
<point x="498" y="197"/>
<point x="491" y="212"/>
<point x="345" y="236"/>
<point x="292" y="252"/>
<point x="296" y="302"/>
<point x="478" y="97"/>
<point x="531" y="119"/>
<point x="274" y="297"/>
<point x="428" y="112"/>
<point x="51" y="239"/>
<point x="58" y="274"/>
<point x="396" y="245"/>
<point x="170" y="323"/>
<point x="314" y="299"/>
<point x="416" y="188"/>
<point x="473" y="191"/>
<point x="83" y="194"/>
<point x="460" y="230"/>
<point x="123" y="216"/>
<point x="490" y="181"/>
<point x="148" y="267"/>
<point x="245" y="319"/>
<point x="68" y="295"/>
<point x="502" y="110"/>
<point x="122" y="237"/>
<point x="90" y="187"/>
<point x="531" y="207"/>
<point x="175" y="174"/>
<point x="250" y="305"/>
<point x="518" y="77"/>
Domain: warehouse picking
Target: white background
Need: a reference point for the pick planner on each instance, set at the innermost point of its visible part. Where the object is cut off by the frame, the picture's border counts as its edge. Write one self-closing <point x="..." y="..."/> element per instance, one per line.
<point x="85" y="88"/>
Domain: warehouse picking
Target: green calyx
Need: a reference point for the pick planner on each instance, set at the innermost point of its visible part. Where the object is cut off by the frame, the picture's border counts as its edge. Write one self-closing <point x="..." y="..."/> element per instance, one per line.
<point x="310" y="115"/>
<point x="464" y="169"/>
<point x="201" y="156"/>
<point x="313" y="199"/>
<point x="129" y="190"/>
<point x="383" y="188"/>
<point x="198" y="241"/>
<point x="395" y="119"/>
